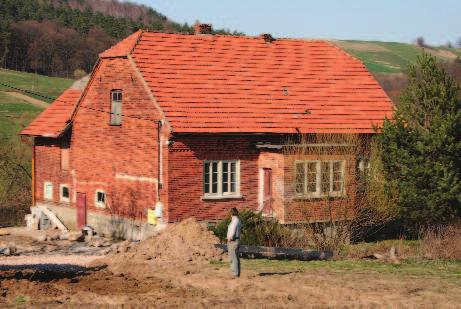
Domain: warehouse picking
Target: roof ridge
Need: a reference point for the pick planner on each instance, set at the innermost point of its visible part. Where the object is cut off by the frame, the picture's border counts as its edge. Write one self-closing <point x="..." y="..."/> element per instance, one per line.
<point x="253" y="37"/>
<point x="124" y="47"/>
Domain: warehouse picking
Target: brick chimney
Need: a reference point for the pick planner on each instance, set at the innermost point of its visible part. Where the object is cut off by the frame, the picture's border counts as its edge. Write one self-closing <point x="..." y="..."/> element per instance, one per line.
<point x="203" y="28"/>
<point x="267" y="37"/>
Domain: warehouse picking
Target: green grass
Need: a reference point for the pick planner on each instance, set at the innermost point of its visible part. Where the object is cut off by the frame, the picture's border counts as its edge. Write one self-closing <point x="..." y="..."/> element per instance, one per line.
<point x="411" y="267"/>
<point x="15" y="114"/>
<point x="391" y="57"/>
<point x="47" y="86"/>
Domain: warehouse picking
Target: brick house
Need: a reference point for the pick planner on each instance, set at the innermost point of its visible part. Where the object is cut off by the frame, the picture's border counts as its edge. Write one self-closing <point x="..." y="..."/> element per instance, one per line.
<point x="198" y="122"/>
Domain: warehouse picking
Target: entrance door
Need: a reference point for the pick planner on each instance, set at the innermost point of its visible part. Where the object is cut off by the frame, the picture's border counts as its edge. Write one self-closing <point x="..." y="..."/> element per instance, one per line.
<point x="81" y="210"/>
<point x="267" y="194"/>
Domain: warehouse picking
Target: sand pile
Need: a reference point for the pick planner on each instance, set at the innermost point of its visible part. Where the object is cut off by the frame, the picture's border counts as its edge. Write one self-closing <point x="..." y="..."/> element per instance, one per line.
<point x="180" y="246"/>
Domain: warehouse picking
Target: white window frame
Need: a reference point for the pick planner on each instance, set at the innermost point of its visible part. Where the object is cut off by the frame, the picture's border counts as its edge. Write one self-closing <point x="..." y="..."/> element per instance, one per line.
<point x="318" y="193"/>
<point x="96" y="202"/>
<point x="45" y="195"/>
<point x="220" y="193"/>
<point x="61" y="197"/>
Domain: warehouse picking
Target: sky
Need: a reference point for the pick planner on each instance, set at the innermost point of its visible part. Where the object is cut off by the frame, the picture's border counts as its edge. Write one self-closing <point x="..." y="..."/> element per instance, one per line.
<point x="438" y="21"/>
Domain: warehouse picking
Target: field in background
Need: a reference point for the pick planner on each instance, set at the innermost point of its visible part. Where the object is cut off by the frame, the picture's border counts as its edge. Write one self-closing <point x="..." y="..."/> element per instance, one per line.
<point x="392" y="57"/>
<point x="15" y="114"/>
<point x="50" y="87"/>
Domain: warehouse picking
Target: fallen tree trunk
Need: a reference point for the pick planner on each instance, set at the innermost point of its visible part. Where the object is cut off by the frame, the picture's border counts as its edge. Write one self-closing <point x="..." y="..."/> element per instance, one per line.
<point x="280" y="253"/>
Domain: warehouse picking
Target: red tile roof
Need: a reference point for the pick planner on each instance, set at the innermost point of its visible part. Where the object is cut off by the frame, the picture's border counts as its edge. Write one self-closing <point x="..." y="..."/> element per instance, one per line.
<point x="213" y="83"/>
<point x="122" y="48"/>
<point x="53" y="121"/>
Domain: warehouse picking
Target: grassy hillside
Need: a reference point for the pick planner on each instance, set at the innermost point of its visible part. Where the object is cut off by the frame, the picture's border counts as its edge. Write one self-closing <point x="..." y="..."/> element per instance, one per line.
<point x="392" y="57"/>
<point x="48" y="86"/>
<point x="15" y="114"/>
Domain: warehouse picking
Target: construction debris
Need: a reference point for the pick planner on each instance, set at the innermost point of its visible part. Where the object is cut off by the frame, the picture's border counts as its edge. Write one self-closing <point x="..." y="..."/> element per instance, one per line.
<point x="390" y="257"/>
<point x="8" y="250"/>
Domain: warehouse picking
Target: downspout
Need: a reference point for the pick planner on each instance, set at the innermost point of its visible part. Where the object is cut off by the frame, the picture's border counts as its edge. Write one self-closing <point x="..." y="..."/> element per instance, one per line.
<point x="159" y="204"/>
<point x="159" y="153"/>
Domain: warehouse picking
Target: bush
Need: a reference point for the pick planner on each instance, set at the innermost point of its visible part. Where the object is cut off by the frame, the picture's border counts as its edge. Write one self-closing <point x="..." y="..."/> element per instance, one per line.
<point x="260" y="231"/>
<point x="79" y="73"/>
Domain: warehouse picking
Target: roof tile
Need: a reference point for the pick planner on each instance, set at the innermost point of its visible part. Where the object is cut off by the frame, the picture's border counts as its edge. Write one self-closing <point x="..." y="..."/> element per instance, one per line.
<point x="54" y="119"/>
<point x="217" y="83"/>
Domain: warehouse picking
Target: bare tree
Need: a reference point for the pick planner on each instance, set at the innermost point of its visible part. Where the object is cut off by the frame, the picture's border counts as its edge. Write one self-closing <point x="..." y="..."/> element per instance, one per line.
<point x="15" y="181"/>
<point x="421" y="42"/>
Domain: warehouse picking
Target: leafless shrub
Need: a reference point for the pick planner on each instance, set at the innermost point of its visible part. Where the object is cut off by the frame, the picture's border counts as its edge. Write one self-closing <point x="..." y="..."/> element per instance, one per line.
<point x="442" y="242"/>
<point x="123" y="208"/>
<point x="15" y="181"/>
<point x="344" y="206"/>
<point x="393" y="84"/>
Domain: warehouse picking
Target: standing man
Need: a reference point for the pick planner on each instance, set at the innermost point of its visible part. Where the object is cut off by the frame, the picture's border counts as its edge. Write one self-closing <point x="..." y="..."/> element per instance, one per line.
<point x="233" y="242"/>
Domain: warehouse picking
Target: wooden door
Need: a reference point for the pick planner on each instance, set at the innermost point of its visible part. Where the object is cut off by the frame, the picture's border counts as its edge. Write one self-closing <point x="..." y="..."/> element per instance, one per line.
<point x="267" y="193"/>
<point x="81" y="210"/>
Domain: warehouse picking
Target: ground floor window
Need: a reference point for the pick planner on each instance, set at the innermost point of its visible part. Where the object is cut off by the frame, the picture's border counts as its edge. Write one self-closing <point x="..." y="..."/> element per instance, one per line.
<point x="48" y="191"/>
<point x="221" y="178"/>
<point x="319" y="178"/>
<point x="100" y="199"/>
<point x="64" y="195"/>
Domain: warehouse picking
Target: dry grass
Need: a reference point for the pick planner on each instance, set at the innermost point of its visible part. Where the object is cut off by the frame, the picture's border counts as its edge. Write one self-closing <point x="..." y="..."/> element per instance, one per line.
<point x="442" y="243"/>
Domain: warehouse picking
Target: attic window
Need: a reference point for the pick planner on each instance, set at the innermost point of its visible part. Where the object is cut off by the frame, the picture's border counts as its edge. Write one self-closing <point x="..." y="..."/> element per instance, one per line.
<point x="116" y="107"/>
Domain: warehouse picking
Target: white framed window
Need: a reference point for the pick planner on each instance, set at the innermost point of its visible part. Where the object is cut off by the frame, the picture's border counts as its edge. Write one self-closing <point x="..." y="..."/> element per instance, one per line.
<point x="221" y="179"/>
<point x="315" y="179"/>
<point x="48" y="190"/>
<point x="100" y="199"/>
<point x="116" y="107"/>
<point x="64" y="193"/>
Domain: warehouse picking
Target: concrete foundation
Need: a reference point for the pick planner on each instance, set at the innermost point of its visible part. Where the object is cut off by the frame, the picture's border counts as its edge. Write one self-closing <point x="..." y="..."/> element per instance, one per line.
<point x="106" y="225"/>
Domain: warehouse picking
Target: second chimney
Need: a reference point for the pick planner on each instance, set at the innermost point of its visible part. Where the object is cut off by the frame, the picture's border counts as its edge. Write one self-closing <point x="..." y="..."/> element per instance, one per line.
<point x="203" y="28"/>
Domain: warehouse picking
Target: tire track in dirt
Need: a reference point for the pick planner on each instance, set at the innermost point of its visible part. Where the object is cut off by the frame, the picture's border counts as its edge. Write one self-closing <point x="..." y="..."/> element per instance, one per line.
<point x="33" y="101"/>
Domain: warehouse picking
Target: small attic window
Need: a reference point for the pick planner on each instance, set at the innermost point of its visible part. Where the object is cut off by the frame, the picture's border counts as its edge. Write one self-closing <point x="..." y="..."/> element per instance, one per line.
<point x="116" y="107"/>
<point x="285" y="90"/>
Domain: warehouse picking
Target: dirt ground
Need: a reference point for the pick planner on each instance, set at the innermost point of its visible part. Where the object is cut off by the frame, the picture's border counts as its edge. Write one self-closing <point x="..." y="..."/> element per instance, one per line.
<point x="213" y="287"/>
<point x="198" y="277"/>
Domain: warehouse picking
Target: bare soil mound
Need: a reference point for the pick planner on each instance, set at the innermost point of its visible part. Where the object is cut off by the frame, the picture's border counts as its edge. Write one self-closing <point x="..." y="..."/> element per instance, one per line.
<point x="185" y="245"/>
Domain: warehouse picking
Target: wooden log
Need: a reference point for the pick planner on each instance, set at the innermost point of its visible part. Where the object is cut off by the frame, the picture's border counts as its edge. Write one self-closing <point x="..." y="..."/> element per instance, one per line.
<point x="278" y="253"/>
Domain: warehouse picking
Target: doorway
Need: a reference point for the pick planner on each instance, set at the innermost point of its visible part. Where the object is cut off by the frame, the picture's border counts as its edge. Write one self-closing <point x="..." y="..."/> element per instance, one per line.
<point x="81" y="210"/>
<point x="267" y="192"/>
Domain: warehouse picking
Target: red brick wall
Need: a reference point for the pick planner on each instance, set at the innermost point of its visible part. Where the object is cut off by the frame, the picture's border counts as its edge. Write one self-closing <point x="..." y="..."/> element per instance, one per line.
<point x="122" y="160"/>
<point x="185" y="175"/>
<point x="48" y="167"/>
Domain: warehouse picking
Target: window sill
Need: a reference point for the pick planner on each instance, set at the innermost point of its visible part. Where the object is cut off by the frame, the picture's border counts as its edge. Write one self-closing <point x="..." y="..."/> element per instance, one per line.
<point x="221" y="197"/>
<point x="318" y="197"/>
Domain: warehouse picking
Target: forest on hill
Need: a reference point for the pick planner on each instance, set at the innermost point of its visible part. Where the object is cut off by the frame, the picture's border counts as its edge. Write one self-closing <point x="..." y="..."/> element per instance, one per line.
<point x="64" y="37"/>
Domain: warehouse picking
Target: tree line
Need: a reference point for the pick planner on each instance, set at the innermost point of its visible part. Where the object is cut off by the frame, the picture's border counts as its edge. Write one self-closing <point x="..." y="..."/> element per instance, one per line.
<point x="63" y="37"/>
